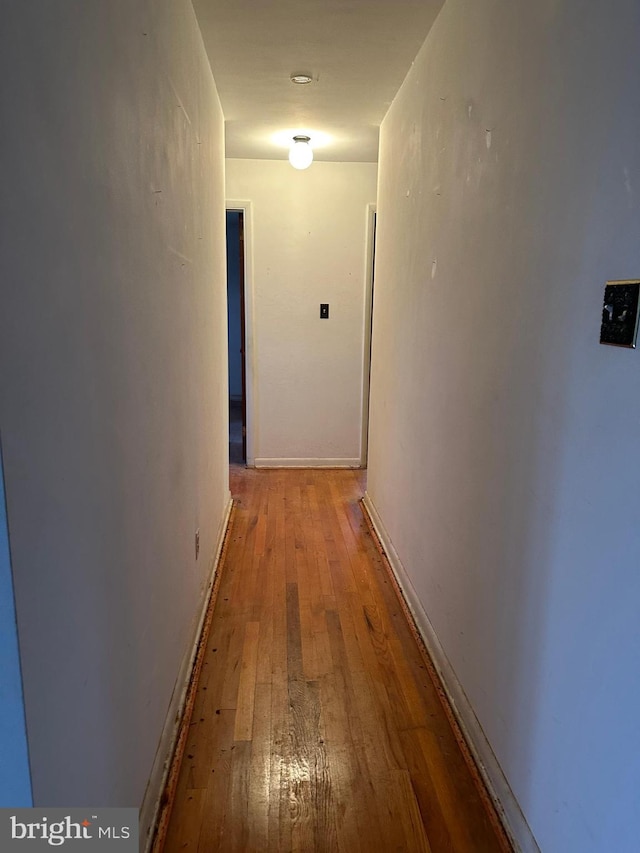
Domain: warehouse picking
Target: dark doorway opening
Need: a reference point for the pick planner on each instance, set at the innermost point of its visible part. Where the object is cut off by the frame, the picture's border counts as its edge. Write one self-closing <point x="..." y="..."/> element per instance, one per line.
<point x="236" y="325"/>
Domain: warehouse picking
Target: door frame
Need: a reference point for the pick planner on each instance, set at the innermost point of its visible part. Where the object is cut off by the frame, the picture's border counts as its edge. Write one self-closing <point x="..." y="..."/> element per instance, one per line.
<point x="370" y="241"/>
<point x="249" y="378"/>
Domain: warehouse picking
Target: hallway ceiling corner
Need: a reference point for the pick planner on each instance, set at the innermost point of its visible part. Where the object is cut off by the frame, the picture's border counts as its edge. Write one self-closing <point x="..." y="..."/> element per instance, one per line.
<point x="358" y="52"/>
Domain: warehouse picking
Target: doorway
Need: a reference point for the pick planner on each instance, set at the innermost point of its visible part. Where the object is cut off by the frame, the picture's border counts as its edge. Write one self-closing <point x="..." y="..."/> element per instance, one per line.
<point x="236" y="326"/>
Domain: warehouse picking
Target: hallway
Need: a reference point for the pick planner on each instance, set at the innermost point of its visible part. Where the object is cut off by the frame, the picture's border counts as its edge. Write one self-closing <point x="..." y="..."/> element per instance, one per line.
<point x="316" y="723"/>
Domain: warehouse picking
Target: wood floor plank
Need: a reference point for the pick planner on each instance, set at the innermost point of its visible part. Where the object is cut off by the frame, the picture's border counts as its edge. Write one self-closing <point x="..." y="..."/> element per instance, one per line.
<point x="247" y="684"/>
<point x="279" y="824"/>
<point x="260" y="771"/>
<point x="354" y="810"/>
<point x="317" y="724"/>
<point x="184" y="833"/>
<point x="266" y="617"/>
<point x="235" y="830"/>
<point x="184" y="829"/>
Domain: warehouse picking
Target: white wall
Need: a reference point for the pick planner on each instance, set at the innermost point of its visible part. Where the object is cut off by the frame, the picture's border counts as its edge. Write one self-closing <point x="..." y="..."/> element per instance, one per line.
<point x="504" y="438"/>
<point x="308" y="245"/>
<point x="113" y="377"/>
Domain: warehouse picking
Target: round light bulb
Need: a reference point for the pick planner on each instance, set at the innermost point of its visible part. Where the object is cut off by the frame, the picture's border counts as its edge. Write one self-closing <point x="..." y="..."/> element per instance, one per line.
<point x="300" y="153"/>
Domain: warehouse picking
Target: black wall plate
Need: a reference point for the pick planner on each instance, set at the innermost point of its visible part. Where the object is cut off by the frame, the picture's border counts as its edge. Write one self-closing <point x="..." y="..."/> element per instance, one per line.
<point x="620" y="313"/>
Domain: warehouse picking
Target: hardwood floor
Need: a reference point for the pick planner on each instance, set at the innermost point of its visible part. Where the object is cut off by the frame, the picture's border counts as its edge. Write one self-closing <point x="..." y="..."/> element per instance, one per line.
<point x="316" y="725"/>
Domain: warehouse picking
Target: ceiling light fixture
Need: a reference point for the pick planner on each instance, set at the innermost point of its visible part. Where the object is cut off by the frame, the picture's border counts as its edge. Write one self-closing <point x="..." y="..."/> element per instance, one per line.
<point x="301" y="78"/>
<point x="300" y="153"/>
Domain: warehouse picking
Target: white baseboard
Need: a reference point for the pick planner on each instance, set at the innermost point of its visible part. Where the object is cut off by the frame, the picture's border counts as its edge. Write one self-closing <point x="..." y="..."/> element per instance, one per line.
<point x="150" y="808"/>
<point x="307" y="463"/>
<point x="506" y="804"/>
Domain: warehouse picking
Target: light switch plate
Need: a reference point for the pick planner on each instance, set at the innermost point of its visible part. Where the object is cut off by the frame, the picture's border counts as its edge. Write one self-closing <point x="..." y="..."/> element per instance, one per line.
<point x="620" y="313"/>
<point x="324" y="310"/>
